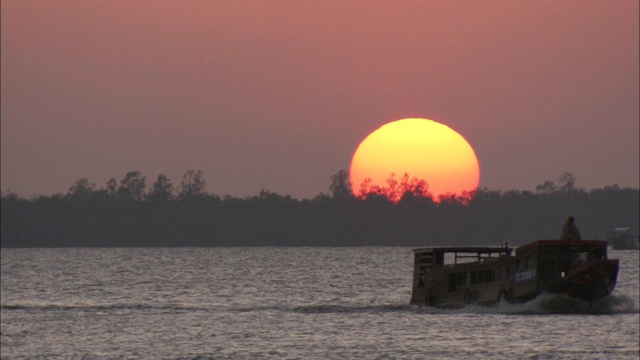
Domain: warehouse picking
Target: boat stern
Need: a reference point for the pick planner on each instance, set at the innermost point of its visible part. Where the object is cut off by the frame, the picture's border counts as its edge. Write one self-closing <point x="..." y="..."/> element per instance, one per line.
<point x="591" y="281"/>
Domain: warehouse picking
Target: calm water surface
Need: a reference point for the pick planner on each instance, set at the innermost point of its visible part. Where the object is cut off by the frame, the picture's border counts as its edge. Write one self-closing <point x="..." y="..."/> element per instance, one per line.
<point x="283" y="303"/>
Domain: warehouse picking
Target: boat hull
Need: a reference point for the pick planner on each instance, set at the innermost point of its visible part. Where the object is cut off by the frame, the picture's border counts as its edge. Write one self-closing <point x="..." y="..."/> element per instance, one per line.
<point x="591" y="281"/>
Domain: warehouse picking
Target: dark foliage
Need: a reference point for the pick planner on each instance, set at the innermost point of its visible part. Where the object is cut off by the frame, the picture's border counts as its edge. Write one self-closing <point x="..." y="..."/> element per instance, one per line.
<point x="124" y="215"/>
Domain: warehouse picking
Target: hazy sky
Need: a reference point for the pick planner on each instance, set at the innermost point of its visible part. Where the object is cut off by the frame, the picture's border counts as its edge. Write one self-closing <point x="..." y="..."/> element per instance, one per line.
<point x="278" y="94"/>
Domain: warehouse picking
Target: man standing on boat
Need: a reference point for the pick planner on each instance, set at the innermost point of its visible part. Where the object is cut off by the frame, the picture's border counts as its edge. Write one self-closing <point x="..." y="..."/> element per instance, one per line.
<point x="570" y="231"/>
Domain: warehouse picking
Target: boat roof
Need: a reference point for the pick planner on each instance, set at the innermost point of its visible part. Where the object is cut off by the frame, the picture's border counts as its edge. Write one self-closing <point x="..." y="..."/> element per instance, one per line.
<point x="563" y="243"/>
<point x="465" y="249"/>
<point x="507" y="250"/>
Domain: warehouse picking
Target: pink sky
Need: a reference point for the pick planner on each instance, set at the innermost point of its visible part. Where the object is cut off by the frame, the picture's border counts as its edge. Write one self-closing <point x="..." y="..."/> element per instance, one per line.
<point x="278" y="94"/>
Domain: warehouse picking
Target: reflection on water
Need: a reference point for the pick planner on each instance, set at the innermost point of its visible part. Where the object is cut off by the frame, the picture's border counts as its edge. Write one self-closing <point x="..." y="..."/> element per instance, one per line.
<point x="284" y="303"/>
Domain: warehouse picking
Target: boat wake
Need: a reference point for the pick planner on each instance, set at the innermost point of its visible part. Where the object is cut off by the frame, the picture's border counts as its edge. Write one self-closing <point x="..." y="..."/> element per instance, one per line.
<point x="558" y="304"/>
<point x="613" y="304"/>
<point x="150" y="307"/>
<point x="543" y="304"/>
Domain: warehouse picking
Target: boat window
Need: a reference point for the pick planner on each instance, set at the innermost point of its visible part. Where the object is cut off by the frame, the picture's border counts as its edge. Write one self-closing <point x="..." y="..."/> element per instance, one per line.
<point x="453" y="280"/>
<point x="439" y="258"/>
<point x="421" y="277"/>
<point x="462" y="279"/>
<point x="489" y="275"/>
<point x="482" y="276"/>
<point x="523" y="263"/>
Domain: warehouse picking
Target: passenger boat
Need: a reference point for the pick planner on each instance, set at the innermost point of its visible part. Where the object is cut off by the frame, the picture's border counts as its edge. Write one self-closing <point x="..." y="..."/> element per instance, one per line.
<point x="621" y="239"/>
<point x="452" y="277"/>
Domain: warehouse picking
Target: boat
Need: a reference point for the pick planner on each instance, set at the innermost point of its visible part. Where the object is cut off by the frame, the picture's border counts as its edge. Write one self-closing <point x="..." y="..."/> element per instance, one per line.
<point x="453" y="277"/>
<point x="621" y="239"/>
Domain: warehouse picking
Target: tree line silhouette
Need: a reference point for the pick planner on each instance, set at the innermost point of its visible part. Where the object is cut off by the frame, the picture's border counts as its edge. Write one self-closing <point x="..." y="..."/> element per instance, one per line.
<point x="126" y="213"/>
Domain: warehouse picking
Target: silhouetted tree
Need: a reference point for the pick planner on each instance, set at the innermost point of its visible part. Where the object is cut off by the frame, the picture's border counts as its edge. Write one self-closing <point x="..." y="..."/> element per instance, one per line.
<point x="132" y="186"/>
<point x="340" y="187"/>
<point x="547" y="187"/>
<point x="81" y="188"/>
<point x="395" y="189"/>
<point x="161" y="190"/>
<point x="567" y="182"/>
<point x="414" y="187"/>
<point x="112" y="187"/>
<point x="192" y="184"/>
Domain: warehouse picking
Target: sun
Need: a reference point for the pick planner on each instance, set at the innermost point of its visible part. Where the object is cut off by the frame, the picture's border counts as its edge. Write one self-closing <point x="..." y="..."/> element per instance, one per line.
<point x="418" y="150"/>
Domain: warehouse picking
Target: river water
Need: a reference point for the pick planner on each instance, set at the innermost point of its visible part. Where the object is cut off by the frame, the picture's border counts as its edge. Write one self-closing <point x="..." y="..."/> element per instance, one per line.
<point x="283" y="303"/>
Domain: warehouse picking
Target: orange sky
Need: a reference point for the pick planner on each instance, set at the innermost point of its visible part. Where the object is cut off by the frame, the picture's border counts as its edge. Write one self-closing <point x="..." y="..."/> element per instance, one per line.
<point x="278" y="94"/>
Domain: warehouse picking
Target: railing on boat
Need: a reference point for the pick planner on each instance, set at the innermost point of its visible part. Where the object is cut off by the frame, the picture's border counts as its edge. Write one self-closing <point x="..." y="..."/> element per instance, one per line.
<point x="435" y="256"/>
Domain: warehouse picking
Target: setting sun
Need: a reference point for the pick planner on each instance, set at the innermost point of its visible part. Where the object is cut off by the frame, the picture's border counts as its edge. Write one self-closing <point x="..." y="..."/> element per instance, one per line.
<point x="416" y="149"/>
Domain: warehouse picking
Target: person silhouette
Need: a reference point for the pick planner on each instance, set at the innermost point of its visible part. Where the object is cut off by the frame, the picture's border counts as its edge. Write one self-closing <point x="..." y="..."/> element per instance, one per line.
<point x="570" y="231"/>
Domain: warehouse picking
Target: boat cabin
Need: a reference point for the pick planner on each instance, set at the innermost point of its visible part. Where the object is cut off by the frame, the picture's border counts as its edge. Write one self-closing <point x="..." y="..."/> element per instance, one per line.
<point x="541" y="265"/>
<point x="455" y="276"/>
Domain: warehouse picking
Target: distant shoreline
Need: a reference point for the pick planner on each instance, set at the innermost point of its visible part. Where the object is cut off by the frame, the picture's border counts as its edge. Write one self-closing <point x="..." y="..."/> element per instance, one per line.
<point x="97" y="220"/>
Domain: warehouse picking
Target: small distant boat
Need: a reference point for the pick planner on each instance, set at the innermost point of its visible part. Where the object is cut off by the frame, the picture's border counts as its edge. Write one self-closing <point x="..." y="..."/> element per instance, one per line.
<point x="452" y="277"/>
<point x="621" y="239"/>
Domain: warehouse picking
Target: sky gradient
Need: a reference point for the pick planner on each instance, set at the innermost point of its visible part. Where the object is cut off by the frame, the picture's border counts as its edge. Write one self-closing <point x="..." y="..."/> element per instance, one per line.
<point x="277" y="95"/>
